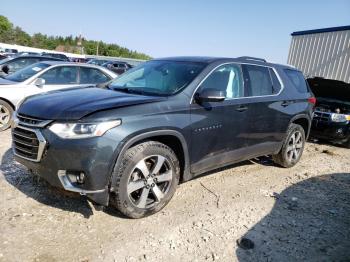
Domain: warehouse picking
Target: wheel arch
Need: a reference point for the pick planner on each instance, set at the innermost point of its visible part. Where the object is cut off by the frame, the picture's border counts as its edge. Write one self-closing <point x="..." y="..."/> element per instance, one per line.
<point x="9" y="102"/>
<point x="304" y="121"/>
<point x="172" y="138"/>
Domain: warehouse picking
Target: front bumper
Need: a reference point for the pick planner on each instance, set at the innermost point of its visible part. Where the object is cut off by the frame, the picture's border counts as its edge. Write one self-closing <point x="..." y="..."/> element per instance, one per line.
<point x="62" y="159"/>
<point x="331" y="131"/>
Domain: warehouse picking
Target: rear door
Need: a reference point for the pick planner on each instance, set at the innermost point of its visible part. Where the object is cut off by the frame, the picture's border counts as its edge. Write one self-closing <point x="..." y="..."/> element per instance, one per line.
<point x="266" y="120"/>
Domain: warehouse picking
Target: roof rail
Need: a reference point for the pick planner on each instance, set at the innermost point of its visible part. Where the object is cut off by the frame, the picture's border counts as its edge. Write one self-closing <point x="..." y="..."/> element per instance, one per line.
<point x="252" y="58"/>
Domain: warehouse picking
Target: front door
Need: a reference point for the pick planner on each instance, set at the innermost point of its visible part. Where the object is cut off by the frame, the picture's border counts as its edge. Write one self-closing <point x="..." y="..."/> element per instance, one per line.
<point x="217" y="126"/>
<point x="59" y="77"/>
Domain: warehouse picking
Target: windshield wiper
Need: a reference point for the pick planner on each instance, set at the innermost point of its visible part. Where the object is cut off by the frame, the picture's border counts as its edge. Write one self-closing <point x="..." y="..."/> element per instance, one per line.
<point x="129" y="90"/>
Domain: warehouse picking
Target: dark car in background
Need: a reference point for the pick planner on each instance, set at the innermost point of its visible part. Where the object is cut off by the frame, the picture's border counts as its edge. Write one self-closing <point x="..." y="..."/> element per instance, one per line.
<point x="117" y="66"/>
<point x="63" y="57"/>
<point x="12" y="64"/>
<point x="331" y="119"/>
<point x="130" y="142"/>
<point x="98" y="62"/>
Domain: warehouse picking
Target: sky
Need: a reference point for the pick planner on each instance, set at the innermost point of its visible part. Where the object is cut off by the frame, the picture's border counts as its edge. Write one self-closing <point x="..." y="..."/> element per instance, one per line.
<point x="162" y="28"/>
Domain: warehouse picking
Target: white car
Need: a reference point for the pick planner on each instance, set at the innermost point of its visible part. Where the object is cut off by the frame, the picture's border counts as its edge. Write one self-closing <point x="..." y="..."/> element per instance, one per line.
<point x="43" y="77"/>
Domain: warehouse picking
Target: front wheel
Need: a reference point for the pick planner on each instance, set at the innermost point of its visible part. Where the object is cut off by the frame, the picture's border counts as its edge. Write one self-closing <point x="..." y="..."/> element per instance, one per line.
<point x="6" y="112"/>
<point x="292" y="148"/>
<point x="146" y="179"/>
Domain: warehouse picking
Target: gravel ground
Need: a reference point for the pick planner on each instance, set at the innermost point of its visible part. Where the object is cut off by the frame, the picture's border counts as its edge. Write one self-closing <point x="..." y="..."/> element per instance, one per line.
<point x="297" y="214"/>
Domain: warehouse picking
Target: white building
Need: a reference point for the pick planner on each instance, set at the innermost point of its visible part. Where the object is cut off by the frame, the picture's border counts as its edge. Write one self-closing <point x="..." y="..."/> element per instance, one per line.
<point x="322" y="53"/>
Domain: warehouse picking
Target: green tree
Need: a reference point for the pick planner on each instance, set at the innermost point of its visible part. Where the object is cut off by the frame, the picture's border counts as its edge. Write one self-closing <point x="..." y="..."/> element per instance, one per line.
<point x="15" y="35"/>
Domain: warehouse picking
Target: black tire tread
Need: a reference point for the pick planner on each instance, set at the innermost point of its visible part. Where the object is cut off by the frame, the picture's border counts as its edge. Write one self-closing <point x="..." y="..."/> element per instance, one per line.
<point x="279" y="158"/>
<point x="8" y="106"/>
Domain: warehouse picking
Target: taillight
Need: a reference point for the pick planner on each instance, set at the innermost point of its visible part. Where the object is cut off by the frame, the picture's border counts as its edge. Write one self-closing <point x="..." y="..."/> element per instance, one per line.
<point x="312" y="100"/>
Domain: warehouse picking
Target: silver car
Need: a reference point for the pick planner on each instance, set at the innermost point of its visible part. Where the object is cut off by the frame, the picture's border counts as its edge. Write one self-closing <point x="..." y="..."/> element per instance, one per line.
<point x="43" y="77"/>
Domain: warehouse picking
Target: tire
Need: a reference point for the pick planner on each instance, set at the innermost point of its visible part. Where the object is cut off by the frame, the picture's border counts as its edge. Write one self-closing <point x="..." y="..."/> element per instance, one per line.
<point x="6" y="112"/>
<point x="291" y="151"/>
<point x="146" y="179"/>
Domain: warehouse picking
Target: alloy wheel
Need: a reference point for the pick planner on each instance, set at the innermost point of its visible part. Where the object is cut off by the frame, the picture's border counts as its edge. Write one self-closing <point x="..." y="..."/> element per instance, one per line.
<point x="150" y="181"/>
<point x="4" y="116"/>
<point x="295" y="145"/>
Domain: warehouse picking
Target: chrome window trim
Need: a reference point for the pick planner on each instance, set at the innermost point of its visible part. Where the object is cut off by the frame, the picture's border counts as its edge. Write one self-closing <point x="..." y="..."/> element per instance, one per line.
<point x="243" y="97"/>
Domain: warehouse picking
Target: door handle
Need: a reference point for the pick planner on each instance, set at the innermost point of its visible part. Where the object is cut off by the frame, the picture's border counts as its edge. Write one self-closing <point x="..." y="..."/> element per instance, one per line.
<point x="286" y="103"/>
<point x="241" y="108"/>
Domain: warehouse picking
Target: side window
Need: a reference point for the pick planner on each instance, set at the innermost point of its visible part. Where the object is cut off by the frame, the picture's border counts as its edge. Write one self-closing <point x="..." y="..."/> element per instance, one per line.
<point x="227" y="78"/>
<point x="258" y="80"/>
<point x="92" y="76"/>
<point x="275" y="82"/>
<point x="62" y="75"/>
<point x="297" y="80"/>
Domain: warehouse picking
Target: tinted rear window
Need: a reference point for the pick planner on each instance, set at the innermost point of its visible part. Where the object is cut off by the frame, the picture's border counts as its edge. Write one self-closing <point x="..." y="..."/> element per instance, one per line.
<point x="258" y="80"/>
<point x="297" y="79"/>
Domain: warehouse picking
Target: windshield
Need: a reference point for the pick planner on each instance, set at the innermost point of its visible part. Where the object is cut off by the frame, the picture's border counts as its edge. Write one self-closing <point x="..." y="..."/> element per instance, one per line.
<point x="27" y="72"/>
<point x="161" y="78"/>
<point x="5" y="60"/>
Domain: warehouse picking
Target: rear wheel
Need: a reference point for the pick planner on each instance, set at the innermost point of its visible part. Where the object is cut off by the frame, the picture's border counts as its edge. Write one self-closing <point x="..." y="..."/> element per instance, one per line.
<point x="292" y="148"/>
<point x="146" y="179"/>
<point x="6" y="112"/>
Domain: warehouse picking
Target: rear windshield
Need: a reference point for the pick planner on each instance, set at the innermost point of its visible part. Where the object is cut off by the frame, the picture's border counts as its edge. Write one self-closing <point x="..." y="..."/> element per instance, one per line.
<point x="298" y="80"/>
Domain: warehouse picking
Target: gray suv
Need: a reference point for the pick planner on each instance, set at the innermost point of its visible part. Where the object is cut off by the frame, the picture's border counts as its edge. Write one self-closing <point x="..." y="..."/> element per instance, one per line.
<point x="130" y="142"/>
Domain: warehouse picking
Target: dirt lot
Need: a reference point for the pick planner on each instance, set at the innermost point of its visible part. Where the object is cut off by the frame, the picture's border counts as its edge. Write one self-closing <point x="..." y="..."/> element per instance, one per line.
<point x="293" y="214"/>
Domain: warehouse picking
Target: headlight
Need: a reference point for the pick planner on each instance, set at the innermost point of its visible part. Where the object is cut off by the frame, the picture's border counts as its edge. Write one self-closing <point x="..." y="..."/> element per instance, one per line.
<point x="340" y="117"/>
<point x="83" y="130"/>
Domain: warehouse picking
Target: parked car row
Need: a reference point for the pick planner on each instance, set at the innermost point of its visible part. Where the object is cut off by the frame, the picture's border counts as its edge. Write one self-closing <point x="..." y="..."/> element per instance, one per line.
<point x="118" y="67"/>
<point x="43" y="77"/>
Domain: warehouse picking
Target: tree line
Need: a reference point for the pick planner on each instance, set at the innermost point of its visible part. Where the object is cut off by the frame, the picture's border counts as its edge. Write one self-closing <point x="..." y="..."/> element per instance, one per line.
<point x="11" y="34"/>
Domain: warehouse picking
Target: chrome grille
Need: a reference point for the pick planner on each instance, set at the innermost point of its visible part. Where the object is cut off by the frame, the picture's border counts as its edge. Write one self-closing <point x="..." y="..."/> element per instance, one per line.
<point x="27" y="140"/>
<point x="29" y="121"/>
<point x="321" y="116"/>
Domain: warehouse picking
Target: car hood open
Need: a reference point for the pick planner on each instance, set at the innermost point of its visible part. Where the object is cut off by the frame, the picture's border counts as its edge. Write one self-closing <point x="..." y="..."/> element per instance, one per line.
<point x="332" y="89"/>
<point x="75" y="103"/>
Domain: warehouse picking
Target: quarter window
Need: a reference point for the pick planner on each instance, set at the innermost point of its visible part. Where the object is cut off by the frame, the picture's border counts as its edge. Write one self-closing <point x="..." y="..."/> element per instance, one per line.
<point x="297" y="80"/>
<point x="62" y="75"/>
<point x="258" y="80"/>
<point x="227" y="78"/>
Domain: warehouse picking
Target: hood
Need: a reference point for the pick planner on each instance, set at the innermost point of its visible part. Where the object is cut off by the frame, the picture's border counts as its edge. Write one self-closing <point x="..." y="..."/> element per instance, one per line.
<point x="4" y="81"/>
<point x="332" y="89"/>
<point x="75" y="103"/>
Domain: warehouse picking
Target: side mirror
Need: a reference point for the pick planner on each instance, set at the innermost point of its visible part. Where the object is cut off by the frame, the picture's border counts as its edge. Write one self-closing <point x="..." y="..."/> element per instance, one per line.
<point x="210" y="95"/>
<point x="5" y="69"/>
<point x="39" y="82"/>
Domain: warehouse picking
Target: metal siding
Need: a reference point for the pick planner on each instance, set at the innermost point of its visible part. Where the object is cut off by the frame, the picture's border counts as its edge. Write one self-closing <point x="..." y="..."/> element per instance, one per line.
<point x="324" y="54"/>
